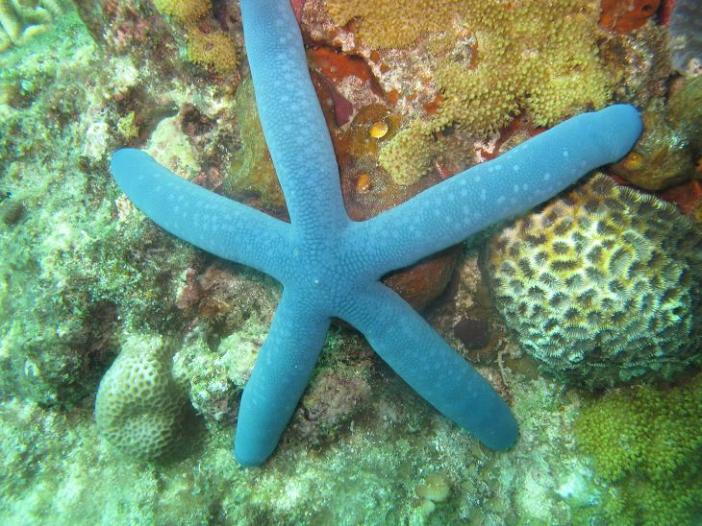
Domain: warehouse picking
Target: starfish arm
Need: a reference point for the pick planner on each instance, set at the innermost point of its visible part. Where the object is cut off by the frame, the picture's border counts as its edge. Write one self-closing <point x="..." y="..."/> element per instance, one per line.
<point x="518" y="180"/>
<point x="425" y="361"/>
<point x="209" y="221"/>
<point x="292" y="119"/>
<point x="282" y="371"/>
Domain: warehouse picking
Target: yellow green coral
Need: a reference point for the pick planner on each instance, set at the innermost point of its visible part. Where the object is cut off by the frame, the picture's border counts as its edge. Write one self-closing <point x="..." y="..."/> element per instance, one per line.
<point x="533" y="56"/>
<point x="214" y="50"/>
<point x="402" y="159"/>
<point x="185" y="11"/>
<point x="645" y="442"/>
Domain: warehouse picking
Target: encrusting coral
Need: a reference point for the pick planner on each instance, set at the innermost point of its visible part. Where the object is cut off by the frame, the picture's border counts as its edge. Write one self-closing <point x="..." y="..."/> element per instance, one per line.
<point x="387" y="23"/>
<point x="601" y="285"/>
<point x="184" y="11"/>
<point x="212" y="49"/>
<point x="139" y="407"/>
<point x="536" y="56"/>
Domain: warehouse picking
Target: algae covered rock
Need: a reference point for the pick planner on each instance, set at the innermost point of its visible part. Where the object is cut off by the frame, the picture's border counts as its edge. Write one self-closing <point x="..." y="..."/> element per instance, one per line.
<point x="670" y="147"/>
<point x="139" y="407"/>
<point x="686" y="36"/>
<point x="661" y="158"/>
<point x="601" y="286"/>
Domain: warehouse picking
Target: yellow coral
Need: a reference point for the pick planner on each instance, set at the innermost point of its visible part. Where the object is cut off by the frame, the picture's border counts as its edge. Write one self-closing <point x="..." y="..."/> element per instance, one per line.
<point x="213" y="50"/>
<point x="407" y="156"/>
<point x="185" y="11"/>
<point x="535" y="56"/>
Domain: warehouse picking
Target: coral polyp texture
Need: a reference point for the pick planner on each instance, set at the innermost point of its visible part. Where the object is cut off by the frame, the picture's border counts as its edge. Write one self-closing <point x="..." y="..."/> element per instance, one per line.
<point x="185" y="11"/>
<point x="329" y="265"/>
<point x="139" y="407"/>
<point x="411" y="19"/>
<point x="646" y="444"/>
<point x="601" y="286"/>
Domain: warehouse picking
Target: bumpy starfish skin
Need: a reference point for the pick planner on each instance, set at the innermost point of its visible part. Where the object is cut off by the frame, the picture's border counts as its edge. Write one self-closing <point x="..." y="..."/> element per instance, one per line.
<point x="329" y="265"/>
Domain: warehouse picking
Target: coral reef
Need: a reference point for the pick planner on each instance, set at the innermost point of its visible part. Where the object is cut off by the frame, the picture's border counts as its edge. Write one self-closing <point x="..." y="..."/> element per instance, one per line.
<point x="335" y="397"/>
<point x="638" y="63"/>
<point x="685" y="106"/>
<point x="20" y="21"/>
<point x="251" y="177"/>
<point x="394" y="24"/>
<point x="645" y="441"/>
<point x="66" y="282"/>
<point x="330" y="265"/>
<point x="56" y="465"/>
<point x="601" y="285"/>
<point x="139" y="408"/>
<point x="662" y="157"/>
<point x="79" y="267"/>
<point x="214" y="377"/>
<point x="185" y="11"/>
<point x="213" y="50"/>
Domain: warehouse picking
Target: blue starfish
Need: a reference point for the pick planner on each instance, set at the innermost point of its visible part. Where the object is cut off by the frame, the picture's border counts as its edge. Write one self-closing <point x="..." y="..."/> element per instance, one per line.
<point x="329" y="265"/>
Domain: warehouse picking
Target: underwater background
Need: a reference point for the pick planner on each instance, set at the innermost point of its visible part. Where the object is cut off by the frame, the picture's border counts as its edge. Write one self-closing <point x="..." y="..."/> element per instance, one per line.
<point x="585" y="314"/>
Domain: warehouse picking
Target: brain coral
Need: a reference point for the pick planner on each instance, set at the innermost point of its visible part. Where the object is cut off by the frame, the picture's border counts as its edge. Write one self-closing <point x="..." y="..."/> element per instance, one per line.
<point x="602" y="285"/>
<point x="139" y="407"/>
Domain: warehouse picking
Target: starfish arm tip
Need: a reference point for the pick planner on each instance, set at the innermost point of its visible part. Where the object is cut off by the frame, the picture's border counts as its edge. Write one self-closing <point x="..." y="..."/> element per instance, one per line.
<point x="623" y="123"/>
<point x="281" y="374"/>
<point x="432" y="368"/>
